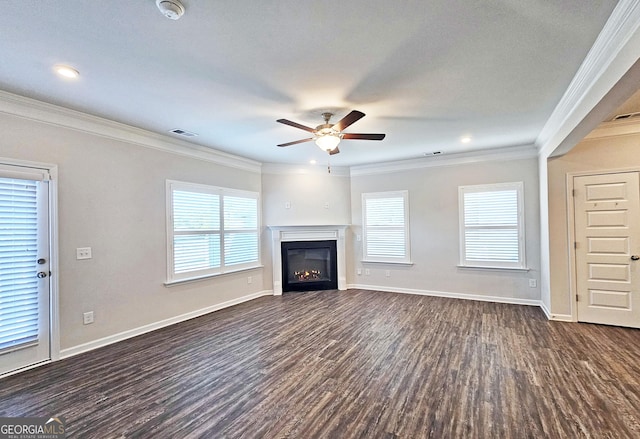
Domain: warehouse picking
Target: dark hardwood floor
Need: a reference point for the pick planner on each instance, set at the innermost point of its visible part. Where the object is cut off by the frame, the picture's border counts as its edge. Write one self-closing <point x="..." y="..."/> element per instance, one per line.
<point x="355" y="364"/>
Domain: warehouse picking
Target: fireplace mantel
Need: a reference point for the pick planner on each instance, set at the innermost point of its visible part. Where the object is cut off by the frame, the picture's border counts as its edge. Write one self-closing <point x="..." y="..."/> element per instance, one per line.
<point x="307" y="233"/>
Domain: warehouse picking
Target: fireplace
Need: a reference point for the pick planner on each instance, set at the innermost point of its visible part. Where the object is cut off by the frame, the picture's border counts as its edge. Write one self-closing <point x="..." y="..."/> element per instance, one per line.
<point x="309" y="265"/>
<point x="283" y="234"/>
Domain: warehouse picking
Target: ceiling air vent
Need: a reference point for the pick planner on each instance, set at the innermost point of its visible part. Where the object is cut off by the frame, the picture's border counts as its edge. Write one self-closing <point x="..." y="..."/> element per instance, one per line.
<point x="183" y="133"/>
<point x="626" y="116"/>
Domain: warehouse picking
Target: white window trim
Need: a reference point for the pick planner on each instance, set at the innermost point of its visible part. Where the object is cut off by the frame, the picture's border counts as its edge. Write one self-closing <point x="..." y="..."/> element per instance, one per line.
<point x="521" y="265"/>
<point x="174" y="279"/>
<point x="406" y="260"/>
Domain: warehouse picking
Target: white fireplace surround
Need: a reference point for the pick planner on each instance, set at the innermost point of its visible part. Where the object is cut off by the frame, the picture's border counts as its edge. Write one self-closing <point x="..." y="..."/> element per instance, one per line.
<point x="280" y="234"/>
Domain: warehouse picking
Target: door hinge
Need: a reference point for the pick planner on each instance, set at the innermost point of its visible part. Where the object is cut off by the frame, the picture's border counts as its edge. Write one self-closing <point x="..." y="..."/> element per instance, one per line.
<point x="575" y="245"/>
<point x="573" y="192"/>
<point x="577" y="298"/>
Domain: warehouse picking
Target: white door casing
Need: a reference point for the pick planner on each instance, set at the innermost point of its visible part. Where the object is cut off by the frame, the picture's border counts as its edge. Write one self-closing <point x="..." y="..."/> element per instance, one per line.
<point x="607" y="231"/>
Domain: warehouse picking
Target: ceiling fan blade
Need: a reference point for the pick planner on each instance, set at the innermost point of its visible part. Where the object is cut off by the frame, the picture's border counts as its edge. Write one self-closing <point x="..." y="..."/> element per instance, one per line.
<point x="296" y="142"/>
<point x="350" y="118"/>
<point x="334" y="151"/>
<point x="296" y="125"/>
<point x="352" y="136"/>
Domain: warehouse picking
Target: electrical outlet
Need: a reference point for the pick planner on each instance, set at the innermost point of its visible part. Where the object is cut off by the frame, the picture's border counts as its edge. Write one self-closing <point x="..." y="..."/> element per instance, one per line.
<point x="249" y="280"/>
<point x="83" y="253"/>
<point x="533" y="283"/>
<point x="359" y="271"/>
<point x="387" y="273"/>
<point x="367" y="272"/>
<point x="87" y="317"/>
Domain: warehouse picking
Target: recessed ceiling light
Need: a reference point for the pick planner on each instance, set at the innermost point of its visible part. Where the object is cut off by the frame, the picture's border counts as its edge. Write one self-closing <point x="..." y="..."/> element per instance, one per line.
<point x="465" y="139"/>
<point x="66" y="71"/>
<point x="313" y="162"/>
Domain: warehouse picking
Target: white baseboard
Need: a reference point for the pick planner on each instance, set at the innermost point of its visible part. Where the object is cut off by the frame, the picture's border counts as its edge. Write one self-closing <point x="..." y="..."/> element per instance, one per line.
<point x="482" y="298"/>
<point x="556" y="317"/>
<point x="562" y="318"/>
<point x="85" y="347"/>
<point x="545" y="310"/>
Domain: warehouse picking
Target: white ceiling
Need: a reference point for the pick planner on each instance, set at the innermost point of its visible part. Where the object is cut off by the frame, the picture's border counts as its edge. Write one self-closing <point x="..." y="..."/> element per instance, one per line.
<point x="426" y="72"/>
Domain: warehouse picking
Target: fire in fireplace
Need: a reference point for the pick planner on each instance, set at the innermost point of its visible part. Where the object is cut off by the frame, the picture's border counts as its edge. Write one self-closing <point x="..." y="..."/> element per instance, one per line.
<point x="307" y="275"/>
<point x="309" y="265"/>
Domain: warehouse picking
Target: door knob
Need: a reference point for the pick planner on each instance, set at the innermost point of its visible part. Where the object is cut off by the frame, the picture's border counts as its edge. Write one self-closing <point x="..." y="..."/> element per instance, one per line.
<point x="41" y="275"/>
<point x="635" y="257"/>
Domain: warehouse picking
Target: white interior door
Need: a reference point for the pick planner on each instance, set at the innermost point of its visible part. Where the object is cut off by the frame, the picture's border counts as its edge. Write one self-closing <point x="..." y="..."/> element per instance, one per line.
<point x="24" y="268"/>
<point x="607" y="231"/>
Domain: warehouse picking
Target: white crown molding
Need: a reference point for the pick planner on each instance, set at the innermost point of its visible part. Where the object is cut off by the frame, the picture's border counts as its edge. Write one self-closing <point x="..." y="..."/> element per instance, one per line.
<point x="43" y="112"/>
<point x="487" y="155"/>
<point x="615" y="128"/>
<point x="573" y="107"/>
<point x="285" y="169"/>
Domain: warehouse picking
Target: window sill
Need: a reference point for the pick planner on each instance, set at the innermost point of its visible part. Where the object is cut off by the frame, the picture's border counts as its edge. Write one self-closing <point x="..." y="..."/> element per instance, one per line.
<point x="408" y="264"/>
<point x="481" y="267"/>
<point x="188" y="280"/>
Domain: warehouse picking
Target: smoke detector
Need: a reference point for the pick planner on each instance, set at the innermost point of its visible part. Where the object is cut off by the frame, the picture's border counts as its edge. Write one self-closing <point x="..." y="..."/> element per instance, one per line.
<point x="172" y="9"/>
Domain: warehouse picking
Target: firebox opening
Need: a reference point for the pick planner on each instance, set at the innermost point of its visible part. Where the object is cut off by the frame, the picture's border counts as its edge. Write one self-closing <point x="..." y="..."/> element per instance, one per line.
<point x="309" y="265"/>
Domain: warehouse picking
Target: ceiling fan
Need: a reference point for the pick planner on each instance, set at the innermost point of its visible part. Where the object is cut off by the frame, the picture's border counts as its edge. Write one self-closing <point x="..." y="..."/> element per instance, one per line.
<point x="327" y="135"/>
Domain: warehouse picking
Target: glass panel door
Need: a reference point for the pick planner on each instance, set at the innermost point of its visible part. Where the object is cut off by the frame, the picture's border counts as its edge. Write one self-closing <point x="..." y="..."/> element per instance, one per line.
<point x="24" y="269"/>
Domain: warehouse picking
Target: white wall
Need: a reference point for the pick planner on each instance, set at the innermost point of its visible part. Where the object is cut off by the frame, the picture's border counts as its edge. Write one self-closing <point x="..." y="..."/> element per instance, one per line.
<point x="314" y="196"/>
<point x="545" y="283"/>
<point x="112" y="198"/>
<point x="613" y="146"/>
<point x="433" y="205"/>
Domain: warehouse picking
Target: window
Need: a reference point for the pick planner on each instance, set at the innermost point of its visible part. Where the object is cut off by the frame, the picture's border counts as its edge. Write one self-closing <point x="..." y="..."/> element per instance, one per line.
<point x="386" y="227"/>
<point x="492" y="225"/>
<point x="210" y="230"/>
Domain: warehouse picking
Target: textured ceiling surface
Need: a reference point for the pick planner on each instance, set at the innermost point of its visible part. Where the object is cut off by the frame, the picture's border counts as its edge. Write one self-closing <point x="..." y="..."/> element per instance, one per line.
<point x="426" y="72"/>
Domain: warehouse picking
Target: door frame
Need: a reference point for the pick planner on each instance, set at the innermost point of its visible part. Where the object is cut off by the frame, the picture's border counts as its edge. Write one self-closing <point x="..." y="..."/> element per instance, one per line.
<point x="54" y="310"/>
<point x="571" y="230"/>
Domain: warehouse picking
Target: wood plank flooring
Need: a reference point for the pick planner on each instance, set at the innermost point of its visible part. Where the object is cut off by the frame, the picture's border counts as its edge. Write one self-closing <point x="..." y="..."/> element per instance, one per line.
<point x="354" y="364"/>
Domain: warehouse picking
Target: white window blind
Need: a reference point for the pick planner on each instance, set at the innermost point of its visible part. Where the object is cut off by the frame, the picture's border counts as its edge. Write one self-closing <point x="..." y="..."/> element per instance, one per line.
<point x="386" y="227"/>
<point x="196" y="231"/>
<point x="18" y="254"/>
<point x="492" y="225"/>
<point x="211" y="230"/>
<point x="240" y="230"/>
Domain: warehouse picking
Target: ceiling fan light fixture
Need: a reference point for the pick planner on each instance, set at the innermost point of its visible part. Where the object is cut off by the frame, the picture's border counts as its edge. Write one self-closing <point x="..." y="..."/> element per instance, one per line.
<point x="328" y="142"/>
<point x="327" y="135"/>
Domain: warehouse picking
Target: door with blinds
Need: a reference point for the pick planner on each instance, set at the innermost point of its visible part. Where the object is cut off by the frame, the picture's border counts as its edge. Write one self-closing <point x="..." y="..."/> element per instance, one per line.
<point x="24" y="268"/>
